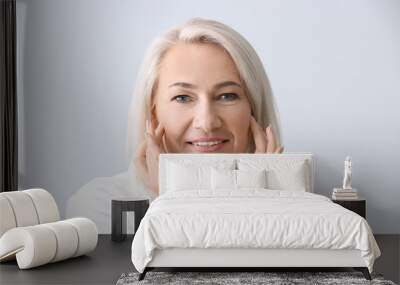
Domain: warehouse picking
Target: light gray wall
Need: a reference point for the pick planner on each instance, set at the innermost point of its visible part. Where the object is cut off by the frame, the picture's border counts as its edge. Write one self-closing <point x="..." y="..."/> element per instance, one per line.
<point x="334" y="67"/>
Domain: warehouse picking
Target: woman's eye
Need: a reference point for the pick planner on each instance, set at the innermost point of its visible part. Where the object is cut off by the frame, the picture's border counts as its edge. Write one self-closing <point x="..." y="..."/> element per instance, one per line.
<point x="229" y="96"/>
<point x="181" y="98"/>
<point x="223" y="97"/>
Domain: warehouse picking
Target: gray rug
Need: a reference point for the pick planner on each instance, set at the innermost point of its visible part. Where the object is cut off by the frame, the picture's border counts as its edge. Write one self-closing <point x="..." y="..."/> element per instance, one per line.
<point x="228" y="278"/>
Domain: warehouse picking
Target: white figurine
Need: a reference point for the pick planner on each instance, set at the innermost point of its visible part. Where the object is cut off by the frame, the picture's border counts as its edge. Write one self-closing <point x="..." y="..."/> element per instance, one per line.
<point x="347" y="173"/>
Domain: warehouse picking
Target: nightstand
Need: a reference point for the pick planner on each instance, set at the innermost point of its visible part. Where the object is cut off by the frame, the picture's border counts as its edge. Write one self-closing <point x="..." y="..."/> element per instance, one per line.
<point x="358" y="206"/>
<point x="119" y="207"/>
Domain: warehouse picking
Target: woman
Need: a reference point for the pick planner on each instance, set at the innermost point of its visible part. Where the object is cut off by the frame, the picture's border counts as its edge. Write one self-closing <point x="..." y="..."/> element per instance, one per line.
<point x="202" y="88"/>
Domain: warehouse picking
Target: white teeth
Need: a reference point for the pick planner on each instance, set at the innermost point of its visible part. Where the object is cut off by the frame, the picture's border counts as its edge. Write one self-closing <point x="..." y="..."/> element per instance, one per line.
<point x="207" y="143"/>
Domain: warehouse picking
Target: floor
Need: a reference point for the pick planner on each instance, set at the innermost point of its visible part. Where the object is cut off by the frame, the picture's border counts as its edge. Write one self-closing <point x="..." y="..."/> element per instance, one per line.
<point x="388" y="263"/>
<point x="111" y="259"/>
<point x="102" y="266"/>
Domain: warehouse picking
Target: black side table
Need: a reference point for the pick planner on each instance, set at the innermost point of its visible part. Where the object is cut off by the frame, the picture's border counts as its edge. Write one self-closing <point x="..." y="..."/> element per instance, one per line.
<point x="119" y="207"/>
<point x="358" y="206"/>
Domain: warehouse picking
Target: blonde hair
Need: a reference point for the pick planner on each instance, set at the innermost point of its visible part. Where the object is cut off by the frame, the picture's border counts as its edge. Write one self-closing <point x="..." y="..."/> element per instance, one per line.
<point x="198" y="30"/>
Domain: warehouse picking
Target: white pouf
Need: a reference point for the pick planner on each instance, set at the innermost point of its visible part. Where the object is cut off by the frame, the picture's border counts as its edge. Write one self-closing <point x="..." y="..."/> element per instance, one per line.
<point x="40" y="244"/>
<point x="30" y="230"/>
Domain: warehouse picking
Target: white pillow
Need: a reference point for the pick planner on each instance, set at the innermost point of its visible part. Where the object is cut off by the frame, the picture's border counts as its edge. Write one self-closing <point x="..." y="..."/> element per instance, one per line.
<point x="184" y="175"/>
<point x="282" y="174"/>
<point x="293" y="178"/>
<point x="251" y="178"/>
<point x="223" y="179"/>
<point x="237" y="179"/>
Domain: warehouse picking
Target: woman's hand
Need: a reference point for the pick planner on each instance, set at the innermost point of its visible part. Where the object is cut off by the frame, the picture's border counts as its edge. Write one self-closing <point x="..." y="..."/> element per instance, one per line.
<point x="148" y="155"/>
<point x="264" y="140"/>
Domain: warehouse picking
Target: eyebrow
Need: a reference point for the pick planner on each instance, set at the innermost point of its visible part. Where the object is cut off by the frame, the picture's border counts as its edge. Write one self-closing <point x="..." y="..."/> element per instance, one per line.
<point x="216" y="86"/>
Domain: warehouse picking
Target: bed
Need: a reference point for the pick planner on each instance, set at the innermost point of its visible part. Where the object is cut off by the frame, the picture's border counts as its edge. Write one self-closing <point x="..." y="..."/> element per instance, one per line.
<point x="247" y="211"/>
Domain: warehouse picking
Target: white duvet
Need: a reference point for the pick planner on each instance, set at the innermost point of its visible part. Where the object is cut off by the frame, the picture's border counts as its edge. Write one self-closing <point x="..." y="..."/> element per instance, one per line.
<point x="251" y="218"/>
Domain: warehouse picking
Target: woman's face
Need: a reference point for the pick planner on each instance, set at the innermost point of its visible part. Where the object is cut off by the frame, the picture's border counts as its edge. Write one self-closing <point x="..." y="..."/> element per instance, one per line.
<point x="201" y="102"/>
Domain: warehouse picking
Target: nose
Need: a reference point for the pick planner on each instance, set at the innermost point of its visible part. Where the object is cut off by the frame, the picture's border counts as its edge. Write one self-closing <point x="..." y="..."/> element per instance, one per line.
<point x="206" y="117"/>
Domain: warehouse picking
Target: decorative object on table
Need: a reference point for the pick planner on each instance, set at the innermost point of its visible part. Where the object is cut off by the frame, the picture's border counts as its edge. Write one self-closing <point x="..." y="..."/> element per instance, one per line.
<point x="358" y="206"/>
<point x="347" y="192"/>
<point x="347" y="173"/>
<point x="215" y="278"/>
<point x="119" y="208"/>
<point x="31" y="232"/>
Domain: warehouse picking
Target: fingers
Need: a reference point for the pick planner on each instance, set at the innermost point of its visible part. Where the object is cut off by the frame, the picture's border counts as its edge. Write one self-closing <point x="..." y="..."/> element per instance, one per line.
<point x="141" y="162"/>
<point x="259" y="136"/>
<point x="265" y="141"/>
<point x="154" y="127"/>
<point x="148" y="155"/>
<point x="272" y="145"/>
<point x="149" y="128"/>
<point x="141" y="154"/>
<point x="153" y="148"/>
<point x="271" y="142"/>
<point x="159" y="132"/>
<point x="155" y="135"/>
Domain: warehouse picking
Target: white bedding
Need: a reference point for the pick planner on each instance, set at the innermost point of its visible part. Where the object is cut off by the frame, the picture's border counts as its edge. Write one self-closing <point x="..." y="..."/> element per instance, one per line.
<point x="250" y="218"/>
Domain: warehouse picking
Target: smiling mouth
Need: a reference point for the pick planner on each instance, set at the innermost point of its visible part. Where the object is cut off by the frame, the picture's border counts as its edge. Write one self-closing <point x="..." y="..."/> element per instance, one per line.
<point x="208" y="143"/>
<point x="207" y="146"/>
